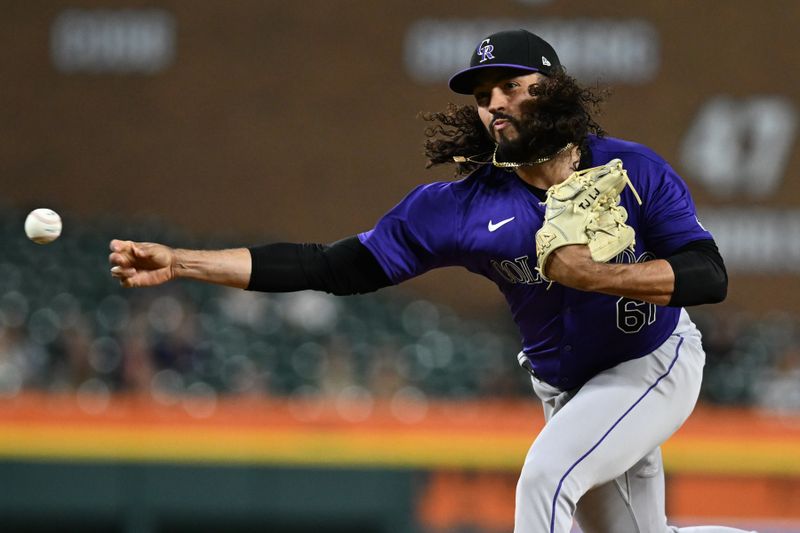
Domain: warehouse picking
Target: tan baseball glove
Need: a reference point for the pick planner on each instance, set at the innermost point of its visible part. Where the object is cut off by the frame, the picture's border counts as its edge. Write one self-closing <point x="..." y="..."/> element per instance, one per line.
<point x="584" y="209"/>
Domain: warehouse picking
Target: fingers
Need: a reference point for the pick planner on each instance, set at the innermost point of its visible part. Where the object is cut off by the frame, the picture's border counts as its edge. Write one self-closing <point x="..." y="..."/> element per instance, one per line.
<point x="121" y="272"/>
<point x="132" y="249"/>
<point x="121" y="253"/>
<point x="117" y="259"/>
<point x="117" y="245"/>
<point x="125" y="253"/>
<point x="139" y="264"/>
<point x="128" y="283"/>
<point x="122" y="260"/>
<point x="124" y="275"/>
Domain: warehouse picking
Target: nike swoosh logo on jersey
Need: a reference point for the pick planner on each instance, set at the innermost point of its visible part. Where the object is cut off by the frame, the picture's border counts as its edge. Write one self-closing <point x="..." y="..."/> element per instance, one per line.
<point x="494" y="227"/>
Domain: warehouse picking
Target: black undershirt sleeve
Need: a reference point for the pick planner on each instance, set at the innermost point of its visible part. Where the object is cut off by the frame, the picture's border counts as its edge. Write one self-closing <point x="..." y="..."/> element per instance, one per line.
<point x="342" y="268"/>
<point x="700" y="275"/>
<point x="348" y="267"/>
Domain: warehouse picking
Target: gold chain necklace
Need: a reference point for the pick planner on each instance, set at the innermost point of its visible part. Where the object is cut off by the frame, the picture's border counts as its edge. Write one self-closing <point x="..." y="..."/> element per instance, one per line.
<point x="506" y="164"/>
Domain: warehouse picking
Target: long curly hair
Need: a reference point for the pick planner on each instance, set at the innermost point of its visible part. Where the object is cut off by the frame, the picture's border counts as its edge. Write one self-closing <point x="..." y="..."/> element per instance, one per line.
<point x="561" y="112"/>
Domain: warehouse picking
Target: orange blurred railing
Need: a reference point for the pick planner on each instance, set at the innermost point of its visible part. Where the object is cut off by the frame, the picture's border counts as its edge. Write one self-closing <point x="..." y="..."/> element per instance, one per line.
<point x="488" y="434"/>
<point x="723" y="462"/>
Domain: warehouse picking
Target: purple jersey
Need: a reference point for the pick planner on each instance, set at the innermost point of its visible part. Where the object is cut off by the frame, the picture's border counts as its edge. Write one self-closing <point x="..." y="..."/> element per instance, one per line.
<point x="486" y="223"/>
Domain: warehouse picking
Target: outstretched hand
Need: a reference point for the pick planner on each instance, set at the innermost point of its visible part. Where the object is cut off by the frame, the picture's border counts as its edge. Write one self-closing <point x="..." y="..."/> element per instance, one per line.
<point x="141" y="264"/>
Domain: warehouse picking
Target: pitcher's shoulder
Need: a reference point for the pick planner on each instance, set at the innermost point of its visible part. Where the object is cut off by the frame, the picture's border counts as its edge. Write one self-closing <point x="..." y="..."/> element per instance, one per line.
<point x="631" y="153"/>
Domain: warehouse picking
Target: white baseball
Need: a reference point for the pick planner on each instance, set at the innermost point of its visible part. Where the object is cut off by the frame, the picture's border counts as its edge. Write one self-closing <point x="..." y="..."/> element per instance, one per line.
<point x="43" y="225"/>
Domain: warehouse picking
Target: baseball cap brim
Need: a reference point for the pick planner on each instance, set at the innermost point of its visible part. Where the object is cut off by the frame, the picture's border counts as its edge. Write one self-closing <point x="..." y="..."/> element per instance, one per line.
<point x="464" y="82"/>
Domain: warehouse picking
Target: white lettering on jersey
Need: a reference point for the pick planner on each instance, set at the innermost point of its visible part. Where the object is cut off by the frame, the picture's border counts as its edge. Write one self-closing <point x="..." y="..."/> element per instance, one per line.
<point x="516" y="271"/>
<point x="633" y="315"/>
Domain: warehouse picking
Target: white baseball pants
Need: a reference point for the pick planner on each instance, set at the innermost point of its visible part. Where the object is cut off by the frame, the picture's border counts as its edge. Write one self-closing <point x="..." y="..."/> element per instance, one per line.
<point x="598" y="457"/>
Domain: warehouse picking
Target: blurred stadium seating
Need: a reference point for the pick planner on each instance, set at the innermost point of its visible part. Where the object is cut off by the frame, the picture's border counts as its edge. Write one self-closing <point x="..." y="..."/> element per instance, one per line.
<point x="66" y="326"/>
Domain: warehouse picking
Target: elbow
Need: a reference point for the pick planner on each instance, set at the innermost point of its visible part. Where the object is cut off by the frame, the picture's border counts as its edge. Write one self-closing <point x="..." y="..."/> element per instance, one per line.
<point x="716" y="294"/>
<point x="718" y="283"/>
<point x="712" y="291"/>
<point x="708" y="287"/>
<point x="719" y="292"/>
<point x="700" y="276"/>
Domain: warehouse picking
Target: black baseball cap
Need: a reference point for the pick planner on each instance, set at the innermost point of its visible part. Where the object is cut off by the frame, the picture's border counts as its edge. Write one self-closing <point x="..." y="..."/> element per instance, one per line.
<point x="519" y="49"/>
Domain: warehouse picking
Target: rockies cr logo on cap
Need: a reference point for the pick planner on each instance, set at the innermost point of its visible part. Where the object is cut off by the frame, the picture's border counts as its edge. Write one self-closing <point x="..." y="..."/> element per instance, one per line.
<point x="485" y="50"/>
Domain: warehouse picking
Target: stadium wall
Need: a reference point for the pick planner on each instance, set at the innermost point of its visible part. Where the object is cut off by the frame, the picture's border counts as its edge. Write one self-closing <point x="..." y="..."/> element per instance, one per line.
<point x="296" y="467"/>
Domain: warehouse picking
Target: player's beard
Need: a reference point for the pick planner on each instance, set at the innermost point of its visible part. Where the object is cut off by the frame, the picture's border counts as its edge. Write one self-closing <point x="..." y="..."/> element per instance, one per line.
<point x="517" y="149"/>
<point x="537" y="136"/>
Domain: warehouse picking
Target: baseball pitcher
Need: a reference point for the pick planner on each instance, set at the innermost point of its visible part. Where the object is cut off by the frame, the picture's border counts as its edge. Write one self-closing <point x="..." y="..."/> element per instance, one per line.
<point x="595" y="244"/>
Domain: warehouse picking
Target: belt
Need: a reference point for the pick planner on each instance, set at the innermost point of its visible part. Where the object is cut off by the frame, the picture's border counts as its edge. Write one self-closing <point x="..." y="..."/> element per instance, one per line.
<point x="525" y="363"/>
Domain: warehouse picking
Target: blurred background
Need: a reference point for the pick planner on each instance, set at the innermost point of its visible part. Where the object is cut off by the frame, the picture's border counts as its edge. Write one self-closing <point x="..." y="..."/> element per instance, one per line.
<point x="232" y="123"/>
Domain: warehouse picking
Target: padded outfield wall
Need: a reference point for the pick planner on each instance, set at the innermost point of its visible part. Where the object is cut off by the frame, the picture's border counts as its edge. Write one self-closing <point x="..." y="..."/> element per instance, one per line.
<point x="298" y="465"/>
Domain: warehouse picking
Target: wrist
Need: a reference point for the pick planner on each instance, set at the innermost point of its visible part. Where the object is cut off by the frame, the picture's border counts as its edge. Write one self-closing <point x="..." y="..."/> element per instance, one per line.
<point x="179" y="262"/>
<point x="224" y="267"/>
